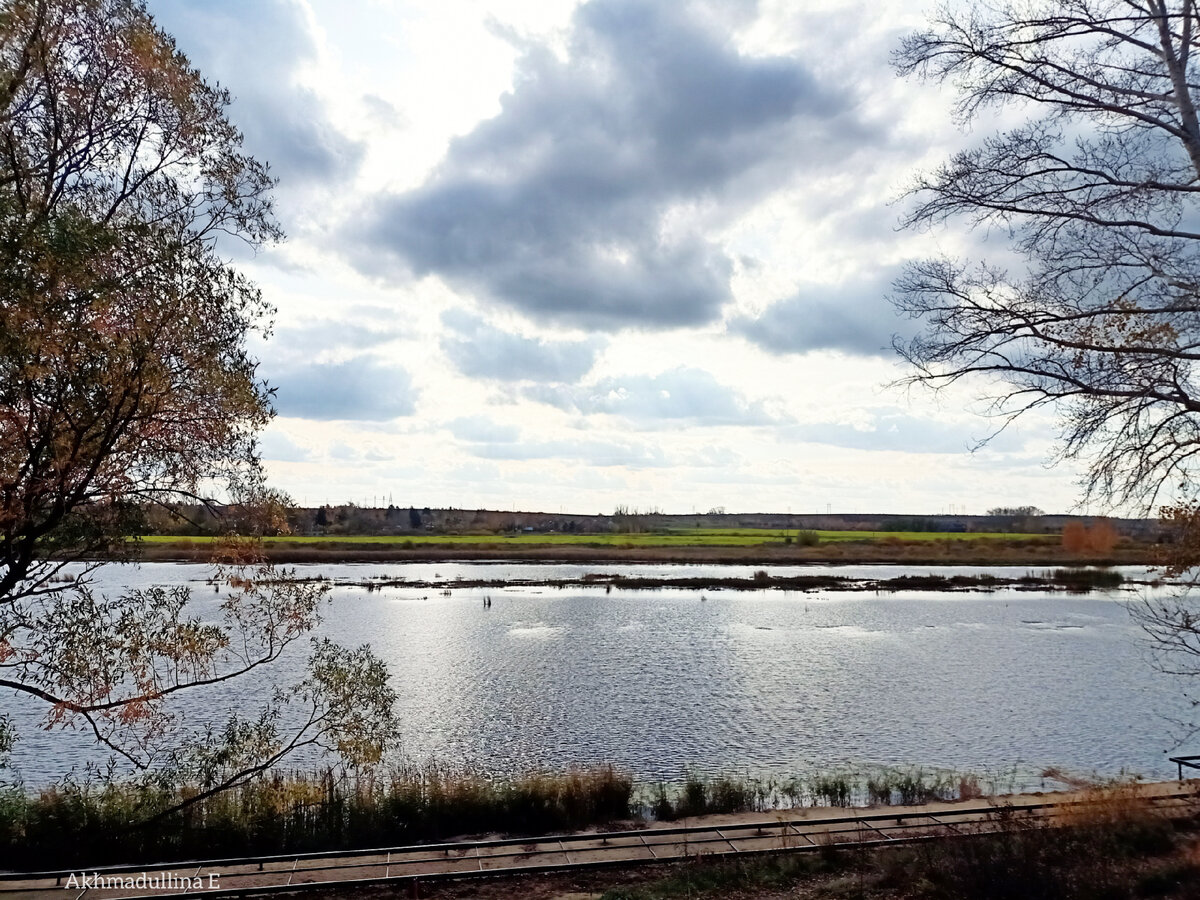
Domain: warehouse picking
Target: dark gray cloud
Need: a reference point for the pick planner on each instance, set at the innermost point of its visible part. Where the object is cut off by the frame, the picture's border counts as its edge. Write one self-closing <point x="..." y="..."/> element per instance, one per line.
<point x="688" y="394"/>
<point x="855" y="317"/>
<point x="361" y="388"/>
<point x="481" y="350"/>
<point x="585" y="199"/>
<point x="254" y="50"/>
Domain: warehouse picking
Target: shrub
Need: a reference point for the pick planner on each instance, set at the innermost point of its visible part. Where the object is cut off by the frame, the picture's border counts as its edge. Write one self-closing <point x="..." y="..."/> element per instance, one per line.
<point x="807" y="538"/>
<point x="1077" y="537"/>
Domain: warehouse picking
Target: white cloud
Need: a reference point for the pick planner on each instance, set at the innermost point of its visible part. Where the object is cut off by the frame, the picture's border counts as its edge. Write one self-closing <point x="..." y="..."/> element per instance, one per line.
<point x="581" y="254"/>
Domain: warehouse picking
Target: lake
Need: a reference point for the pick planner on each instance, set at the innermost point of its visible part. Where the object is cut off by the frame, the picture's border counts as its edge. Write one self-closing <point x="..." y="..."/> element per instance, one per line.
<point x="766" y="682"/>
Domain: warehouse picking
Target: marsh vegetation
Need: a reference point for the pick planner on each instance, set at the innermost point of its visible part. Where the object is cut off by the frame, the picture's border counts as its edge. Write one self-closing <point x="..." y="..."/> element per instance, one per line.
<point x="93" y="822"/>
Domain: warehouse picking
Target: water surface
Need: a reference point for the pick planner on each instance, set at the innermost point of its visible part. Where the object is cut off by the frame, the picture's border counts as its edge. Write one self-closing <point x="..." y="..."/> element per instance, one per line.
<point x="761" y="681"/>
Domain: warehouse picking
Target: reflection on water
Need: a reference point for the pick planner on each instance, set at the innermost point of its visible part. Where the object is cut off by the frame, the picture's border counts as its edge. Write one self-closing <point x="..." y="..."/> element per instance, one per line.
<point x="771" y="681"/>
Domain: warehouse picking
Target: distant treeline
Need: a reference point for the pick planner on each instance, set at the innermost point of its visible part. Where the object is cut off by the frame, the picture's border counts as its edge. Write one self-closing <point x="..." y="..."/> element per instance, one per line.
<point x="921" y="525"/>
<point x="350" y="519"/>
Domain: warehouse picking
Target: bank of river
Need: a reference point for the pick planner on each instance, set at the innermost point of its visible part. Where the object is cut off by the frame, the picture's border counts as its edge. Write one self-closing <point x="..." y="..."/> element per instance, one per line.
<point x="954" y="550"/>
<point x="767" y="681"/>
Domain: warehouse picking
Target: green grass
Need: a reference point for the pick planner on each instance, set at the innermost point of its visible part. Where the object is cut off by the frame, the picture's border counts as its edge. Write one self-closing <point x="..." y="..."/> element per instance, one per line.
<point x="931" y="536"/>
<point x="700" y="537"/>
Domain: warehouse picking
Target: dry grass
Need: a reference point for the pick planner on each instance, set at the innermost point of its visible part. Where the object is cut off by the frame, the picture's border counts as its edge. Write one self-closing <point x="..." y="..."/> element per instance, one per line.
<point x="1116" y="808"/>
<point x="1113" y="847"/>
<point x="92" y="824"/>
<point x="81" y="824"/>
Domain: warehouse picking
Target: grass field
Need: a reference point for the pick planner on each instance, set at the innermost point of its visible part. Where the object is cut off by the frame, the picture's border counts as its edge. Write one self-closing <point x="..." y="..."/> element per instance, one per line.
<point x="702" y="537"/>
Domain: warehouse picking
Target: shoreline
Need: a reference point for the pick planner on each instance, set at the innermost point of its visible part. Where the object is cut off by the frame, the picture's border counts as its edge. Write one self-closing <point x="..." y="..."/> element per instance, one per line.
<point x="411" y="804"/>
<point x="918" y="553"/>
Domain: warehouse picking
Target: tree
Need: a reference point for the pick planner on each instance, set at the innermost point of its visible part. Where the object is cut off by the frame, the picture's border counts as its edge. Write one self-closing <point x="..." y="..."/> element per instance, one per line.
<point x="1099" y="192"/>
<point x="125" y="381"/>
<point x="1021" y="511"/>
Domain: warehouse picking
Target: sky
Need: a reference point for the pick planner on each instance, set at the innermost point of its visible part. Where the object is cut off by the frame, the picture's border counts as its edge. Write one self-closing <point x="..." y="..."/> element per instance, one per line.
<point x="569" y="256"/>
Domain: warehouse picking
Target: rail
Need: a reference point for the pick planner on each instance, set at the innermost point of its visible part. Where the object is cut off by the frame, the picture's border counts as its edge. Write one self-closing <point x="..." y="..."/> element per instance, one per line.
<point x="1181" y="761"/>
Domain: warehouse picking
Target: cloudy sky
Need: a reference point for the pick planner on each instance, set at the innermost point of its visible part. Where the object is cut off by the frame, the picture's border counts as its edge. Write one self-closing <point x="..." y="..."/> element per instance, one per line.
<point x="573" y="255"/>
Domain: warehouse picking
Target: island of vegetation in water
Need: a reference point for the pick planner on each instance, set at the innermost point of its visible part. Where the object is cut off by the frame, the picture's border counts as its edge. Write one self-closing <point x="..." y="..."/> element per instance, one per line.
<point x="1075" y="579"/>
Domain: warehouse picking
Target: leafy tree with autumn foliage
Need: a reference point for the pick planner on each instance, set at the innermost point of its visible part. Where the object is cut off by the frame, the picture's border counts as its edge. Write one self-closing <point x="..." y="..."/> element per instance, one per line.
<point x="125" y="381"/>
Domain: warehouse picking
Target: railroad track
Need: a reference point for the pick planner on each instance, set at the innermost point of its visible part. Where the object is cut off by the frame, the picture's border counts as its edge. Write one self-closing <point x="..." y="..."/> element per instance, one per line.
<point x="421" y="863"/>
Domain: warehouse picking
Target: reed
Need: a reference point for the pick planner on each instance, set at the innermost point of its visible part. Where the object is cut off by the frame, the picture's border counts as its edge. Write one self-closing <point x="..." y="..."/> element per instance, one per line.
<point x="706" y="795"/>
<point x="75" y="824"/>
<point x="82" y="823"/>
